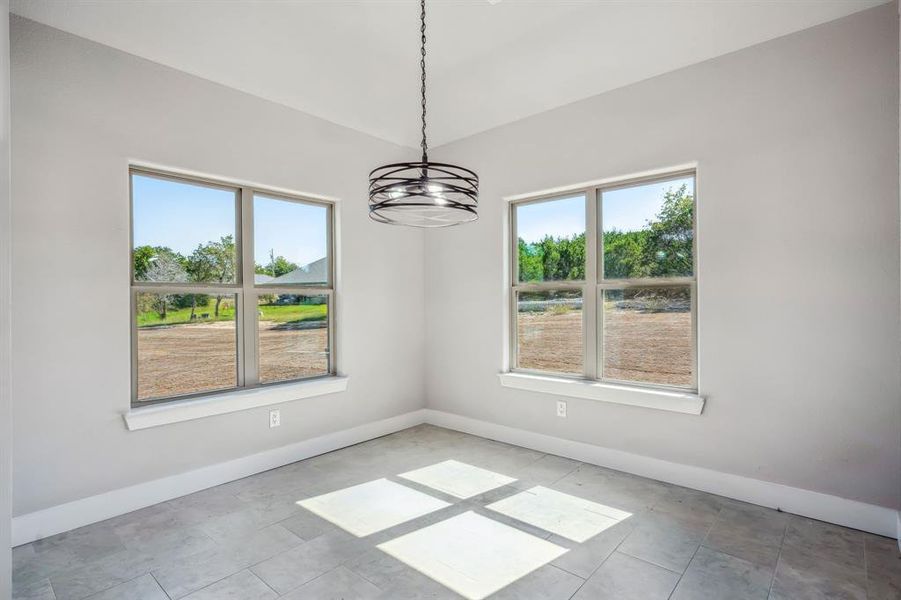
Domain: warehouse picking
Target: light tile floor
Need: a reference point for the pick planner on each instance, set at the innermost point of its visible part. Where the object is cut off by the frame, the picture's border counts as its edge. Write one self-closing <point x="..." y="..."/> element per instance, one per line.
<point x="373" y="506"/>
<point x="471" y="554"/>
<point x="572" y="517"/>
<point x="458" y="479"/>
<point x="250" y="539"/>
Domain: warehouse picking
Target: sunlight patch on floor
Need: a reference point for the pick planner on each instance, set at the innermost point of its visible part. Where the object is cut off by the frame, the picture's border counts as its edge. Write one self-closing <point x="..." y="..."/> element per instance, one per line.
<point x="568" y="516"/>
<point x="373" y="506"/>
<point x="471" y="554"/>
<point x="458" y="479"/>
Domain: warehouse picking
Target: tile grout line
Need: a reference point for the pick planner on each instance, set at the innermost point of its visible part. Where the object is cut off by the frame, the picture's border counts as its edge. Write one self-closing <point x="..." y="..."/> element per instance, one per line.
<point x="698" y="549"/>
<point x="646" y="561"/>
<point x="866" y="568"/>
<point x="52" y="591"/>
<point x="566" y="571"/>
<point x="719" y="518"/>
<point x="565" y="475"/>
<point x="160" y="586"/>
<point x="302" y="584"/>
<point x="678" y="581"/>
<point x="266" y="583"/>
<point x="598" y="568"/>
<point x="364" y="578"/>
<point x="729" y="554"/>
<point x="207" y="585"/>
<point x="106" y="589"/>
<point x="778" y="558"/>
<point x="542" y="457"/>
<point x="578" y="589"/>
<point x="247" y="567"/>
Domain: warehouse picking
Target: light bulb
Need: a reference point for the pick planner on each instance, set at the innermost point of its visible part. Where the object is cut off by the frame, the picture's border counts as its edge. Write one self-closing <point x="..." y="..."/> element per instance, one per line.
<point x="435" y="191"/>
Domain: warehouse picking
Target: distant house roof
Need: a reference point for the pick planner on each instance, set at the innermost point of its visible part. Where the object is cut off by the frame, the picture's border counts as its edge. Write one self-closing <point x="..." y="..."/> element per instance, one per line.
<point x="259" y="278"/>
<point x="315" y="272"/>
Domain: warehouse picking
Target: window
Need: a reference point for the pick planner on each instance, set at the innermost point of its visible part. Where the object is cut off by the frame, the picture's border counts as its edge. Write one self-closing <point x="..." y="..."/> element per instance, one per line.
<point x="604" y="283"/>
<point x="231" y="287"/>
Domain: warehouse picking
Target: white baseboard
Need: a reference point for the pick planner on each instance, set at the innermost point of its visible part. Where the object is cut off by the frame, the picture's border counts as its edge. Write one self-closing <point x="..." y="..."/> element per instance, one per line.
<point x="850" y="513"/>
<point x="841" y="511"/>
<point x="57" y="519"/>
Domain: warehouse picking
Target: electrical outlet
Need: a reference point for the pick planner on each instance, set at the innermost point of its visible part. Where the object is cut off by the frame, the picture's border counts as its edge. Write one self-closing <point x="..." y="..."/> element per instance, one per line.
<point x="561" y="408"/>
<point x="275" y="418"/>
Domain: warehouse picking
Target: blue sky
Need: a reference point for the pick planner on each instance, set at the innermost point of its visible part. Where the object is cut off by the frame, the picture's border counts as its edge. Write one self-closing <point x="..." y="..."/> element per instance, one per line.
<point x="557" y="218"/>
<point x="293" y="230"/>
<point x="182" y="216"/>
<point x="627" y="209"/>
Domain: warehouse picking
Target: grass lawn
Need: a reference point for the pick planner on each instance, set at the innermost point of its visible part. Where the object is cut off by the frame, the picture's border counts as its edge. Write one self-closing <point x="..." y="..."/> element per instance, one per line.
<point x="291" y="313"/>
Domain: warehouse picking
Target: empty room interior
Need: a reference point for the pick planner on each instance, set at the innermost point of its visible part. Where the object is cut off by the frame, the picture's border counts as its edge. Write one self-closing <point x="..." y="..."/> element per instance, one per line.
<point x="450" y="299"/>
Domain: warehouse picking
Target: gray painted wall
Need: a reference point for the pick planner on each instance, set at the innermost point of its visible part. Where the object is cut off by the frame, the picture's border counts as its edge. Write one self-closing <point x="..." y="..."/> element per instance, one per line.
<point x="5" y="399"/>
<point x="80" y="112"/>
<point x="799" y="332"/>
<point x="798" y="225"/>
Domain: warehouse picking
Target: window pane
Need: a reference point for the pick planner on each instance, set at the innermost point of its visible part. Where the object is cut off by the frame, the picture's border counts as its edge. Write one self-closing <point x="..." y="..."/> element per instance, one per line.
<point x="549" y="330"/>
<point x="648" y="230"/>
<point x="290" y="242"/>
<point x="186" y="344"/>
<point x="294" y="340"/>
<point x="648" y="335"/>
<point x="182" y="231"/>
<point x="551" y="239"/>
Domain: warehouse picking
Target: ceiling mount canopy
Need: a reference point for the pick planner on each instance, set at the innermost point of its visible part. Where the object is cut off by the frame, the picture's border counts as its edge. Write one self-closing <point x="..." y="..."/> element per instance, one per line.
<point x="423" y="194"/>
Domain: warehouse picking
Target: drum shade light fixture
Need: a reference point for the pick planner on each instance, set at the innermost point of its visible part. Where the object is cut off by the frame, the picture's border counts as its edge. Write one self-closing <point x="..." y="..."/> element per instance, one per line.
<point x="423" y="194"/>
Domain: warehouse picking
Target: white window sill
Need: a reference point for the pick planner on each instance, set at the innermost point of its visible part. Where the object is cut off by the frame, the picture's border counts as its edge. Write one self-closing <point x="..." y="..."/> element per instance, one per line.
<point x="230" y="401"/>
<point x="681" y="402"/>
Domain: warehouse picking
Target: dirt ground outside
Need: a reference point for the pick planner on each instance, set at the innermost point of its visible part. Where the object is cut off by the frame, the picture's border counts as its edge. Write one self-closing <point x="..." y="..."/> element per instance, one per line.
<point x="193" y="358"/>
<point x="292" y="353"/>
<point x="551" y="341"/>
<point x="641" y="346"/>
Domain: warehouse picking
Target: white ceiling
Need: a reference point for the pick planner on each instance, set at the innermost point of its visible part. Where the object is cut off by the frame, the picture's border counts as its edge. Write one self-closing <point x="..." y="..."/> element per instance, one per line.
<point x="356" y="62"/>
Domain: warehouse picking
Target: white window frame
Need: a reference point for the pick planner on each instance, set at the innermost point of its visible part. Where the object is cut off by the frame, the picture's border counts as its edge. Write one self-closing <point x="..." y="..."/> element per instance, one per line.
<point x="592" y="289"/>
<point x="245" y="290"/>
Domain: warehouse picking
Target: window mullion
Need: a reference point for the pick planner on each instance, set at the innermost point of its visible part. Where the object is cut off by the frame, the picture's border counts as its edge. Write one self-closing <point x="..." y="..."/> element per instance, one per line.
<point x="514" y="246"/>
<point x="618" y="284"/>
<point x="541" y="286"/>
<point x="599" y="277"/>
<point x="295" y="290"/>
<point x="332" y="342"/>
<point x="133" y="317"/>
<point x="249" y="324"/>
<point x="176" y="287"/>
<point x="693" y="287"/>
<point x="240" y="335"/>
<point x="514" y="325"/>
<point x="590" y="290"/>
<point x="513" y="320"/>
<point x="597" y="291"/>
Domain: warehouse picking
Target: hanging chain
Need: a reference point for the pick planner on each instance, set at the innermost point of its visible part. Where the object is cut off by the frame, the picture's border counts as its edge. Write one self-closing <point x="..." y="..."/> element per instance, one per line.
<point x="425" y="146"/>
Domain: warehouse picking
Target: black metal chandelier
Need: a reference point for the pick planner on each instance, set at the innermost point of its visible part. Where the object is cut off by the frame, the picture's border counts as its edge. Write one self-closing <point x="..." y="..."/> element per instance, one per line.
<point x="423" y="194"/>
